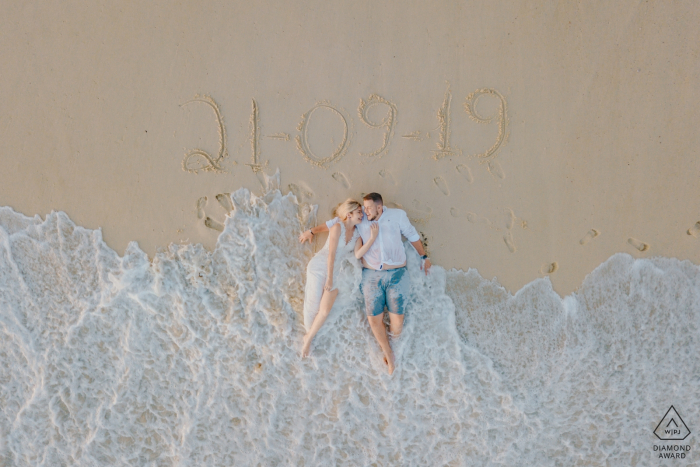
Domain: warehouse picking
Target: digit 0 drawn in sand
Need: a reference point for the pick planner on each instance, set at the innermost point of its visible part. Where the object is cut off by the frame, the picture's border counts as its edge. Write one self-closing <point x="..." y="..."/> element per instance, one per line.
<point x="470" y="107"/>
<point x="342" y="179"/>
<point x="694" y="230"/>
<point x="638" y="244"/>
<point x="198" y="159"/>
<point x="590" y="235"/>
<point x="445" y="121"/>
<point x="303" y="141"/>
<point x="389" y="121"/>
<point x="549" y="268"/>
<point x="465" y="172"/>
<point x="255" y="139"/>
<point x="442" y="185"/>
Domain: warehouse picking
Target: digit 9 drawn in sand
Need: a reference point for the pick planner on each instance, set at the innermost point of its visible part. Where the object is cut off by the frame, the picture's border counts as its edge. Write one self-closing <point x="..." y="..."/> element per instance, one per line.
<point x="389" y="121"/>
<point x="303" y="141"/>
<point x="470" y="107"/>
<point x="198" y="159"/>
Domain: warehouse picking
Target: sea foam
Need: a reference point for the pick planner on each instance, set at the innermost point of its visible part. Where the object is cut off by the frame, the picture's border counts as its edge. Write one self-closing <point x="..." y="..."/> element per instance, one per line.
<point x="193" y="358"/>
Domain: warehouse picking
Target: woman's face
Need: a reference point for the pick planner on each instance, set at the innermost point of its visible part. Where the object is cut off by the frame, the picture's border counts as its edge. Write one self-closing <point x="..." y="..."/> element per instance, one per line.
<point x="355" y="217"/>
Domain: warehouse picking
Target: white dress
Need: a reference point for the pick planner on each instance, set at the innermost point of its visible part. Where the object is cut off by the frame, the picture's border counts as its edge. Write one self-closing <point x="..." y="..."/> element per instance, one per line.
<point x="345" y="274"/>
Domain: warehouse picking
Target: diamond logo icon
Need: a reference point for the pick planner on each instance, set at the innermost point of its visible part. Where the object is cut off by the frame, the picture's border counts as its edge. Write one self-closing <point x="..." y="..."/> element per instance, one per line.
<point x="671" y="426"/>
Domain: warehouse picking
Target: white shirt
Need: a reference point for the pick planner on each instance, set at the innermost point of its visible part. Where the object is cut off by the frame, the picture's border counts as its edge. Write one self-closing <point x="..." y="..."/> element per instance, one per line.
<point x="387" y="247"/>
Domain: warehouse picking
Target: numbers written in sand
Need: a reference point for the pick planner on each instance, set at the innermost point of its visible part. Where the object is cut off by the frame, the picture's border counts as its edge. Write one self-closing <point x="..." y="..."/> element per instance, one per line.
<point x="325" y="120"/>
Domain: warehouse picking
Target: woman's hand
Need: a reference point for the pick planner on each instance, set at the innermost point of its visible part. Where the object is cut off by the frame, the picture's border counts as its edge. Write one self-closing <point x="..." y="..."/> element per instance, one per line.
<point x="329" y="284"/>
<point x="373" y="230"/>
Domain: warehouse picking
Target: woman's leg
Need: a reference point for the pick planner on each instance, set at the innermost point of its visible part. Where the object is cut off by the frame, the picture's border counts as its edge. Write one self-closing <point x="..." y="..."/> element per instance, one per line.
<point x="327" y="301"/>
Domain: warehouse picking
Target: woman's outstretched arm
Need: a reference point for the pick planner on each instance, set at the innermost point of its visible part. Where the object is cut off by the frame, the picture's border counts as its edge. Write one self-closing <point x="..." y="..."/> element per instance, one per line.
<point x="361" y="249"/>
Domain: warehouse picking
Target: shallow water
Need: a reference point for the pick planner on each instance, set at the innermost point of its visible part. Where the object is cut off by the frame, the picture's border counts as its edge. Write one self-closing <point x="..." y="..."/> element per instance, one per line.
<point x="193" y="359"/>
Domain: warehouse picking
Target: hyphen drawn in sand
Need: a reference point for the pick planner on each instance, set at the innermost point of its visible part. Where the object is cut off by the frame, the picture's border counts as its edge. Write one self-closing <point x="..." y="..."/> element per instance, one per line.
<point x="198" y="159"/>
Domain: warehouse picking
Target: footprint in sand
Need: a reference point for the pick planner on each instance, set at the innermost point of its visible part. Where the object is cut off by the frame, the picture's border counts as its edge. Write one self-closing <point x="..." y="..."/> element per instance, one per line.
<point x="638" y="244"/>
<point x="465" y="172"/>
<point x="224" y="200"/>
<point x="342" y="179"/>
<point x="420" y="213"/>
<point x="387" y="176"/>
<point x="454" y="212"/>
<point x="695" y="230"/>
<point x="201" y="202"/>
<point x="214" y="225"/>
<point x="495" y="169"/>
<point x="508" y="239"/>
<point x="302" y="192"/>
<point x="442" y="185"/>
<point x="549" y="268"/>
<point x="590" y="235"/>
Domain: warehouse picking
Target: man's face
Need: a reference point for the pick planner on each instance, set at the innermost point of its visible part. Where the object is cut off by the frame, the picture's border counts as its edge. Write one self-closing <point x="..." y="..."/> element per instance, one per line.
<point x="372" y="209"/>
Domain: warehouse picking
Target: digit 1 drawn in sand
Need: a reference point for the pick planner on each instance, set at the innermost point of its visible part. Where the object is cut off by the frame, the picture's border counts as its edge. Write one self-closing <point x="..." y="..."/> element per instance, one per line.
<point x="388" y="122"/>
<point x="198" y="159"/>
<point x="303" y="141"/>
<point x="445" y="120"/>
<point x="470" y="107"/>
<point x="255" y="139"/>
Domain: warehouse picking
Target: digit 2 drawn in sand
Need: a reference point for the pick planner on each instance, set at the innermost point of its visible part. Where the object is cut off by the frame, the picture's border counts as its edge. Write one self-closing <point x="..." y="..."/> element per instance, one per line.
<point x="303" y="141"/>
<point x="388" y="122"/>
<point x="470" y="107"/>
<point x="198" y="159"/>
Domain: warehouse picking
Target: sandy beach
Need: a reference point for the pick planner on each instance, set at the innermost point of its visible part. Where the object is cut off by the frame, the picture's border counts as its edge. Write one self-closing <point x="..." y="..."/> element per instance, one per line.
<point x="589" y="150"/>
<point x="525" y="140"/>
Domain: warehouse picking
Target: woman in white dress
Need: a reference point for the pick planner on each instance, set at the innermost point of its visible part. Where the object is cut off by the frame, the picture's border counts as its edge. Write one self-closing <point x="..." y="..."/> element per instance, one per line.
<point x="319" y="294"/>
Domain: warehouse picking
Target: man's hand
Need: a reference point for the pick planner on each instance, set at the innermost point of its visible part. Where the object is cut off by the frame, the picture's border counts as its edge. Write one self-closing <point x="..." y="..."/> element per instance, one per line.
<point x="306" y="236"/>
<point x="426" y="266"/>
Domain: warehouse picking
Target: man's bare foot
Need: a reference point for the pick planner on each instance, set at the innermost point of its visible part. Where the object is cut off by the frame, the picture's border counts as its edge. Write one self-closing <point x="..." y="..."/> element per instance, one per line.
<point x="307" y="346"/>
<point x="390" y="365"/>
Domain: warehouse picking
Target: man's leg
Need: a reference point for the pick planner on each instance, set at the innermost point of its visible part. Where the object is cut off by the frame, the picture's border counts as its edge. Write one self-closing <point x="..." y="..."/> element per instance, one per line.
<point x="375" y="301"/>
<point x="397" y="292"/>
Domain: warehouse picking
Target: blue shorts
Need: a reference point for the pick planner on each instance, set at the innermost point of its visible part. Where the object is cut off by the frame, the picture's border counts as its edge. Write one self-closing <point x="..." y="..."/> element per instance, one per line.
<point x="389" y="287"/>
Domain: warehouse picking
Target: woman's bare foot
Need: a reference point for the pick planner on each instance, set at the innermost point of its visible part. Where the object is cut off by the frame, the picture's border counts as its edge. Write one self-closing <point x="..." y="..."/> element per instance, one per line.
<point x="307" y="346"/>
<point x="390" y="365"/>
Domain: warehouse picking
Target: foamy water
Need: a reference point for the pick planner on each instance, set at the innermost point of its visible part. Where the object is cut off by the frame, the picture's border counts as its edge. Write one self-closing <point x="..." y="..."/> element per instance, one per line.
<point x="193" y="359"/>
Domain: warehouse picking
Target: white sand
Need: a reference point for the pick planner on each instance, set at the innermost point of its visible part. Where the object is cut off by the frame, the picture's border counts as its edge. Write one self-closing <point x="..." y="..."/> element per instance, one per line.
<point x="601" y="106"/>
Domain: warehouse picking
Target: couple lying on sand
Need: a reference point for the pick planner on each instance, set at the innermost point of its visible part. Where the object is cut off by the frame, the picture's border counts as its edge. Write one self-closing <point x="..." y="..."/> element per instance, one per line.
<point x="375" y="237"/>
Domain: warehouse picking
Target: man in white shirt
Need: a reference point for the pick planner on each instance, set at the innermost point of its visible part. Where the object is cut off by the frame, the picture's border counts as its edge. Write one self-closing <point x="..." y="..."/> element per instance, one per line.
<point x="385" y="281"/>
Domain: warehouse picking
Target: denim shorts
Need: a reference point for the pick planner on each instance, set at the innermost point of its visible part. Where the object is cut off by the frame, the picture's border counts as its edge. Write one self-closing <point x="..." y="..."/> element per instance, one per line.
<point x="389" y="287"/>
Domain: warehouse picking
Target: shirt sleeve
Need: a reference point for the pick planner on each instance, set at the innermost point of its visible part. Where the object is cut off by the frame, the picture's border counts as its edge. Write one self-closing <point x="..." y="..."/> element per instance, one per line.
<point x="332" y="222"/>
<point x="407" y="229"/>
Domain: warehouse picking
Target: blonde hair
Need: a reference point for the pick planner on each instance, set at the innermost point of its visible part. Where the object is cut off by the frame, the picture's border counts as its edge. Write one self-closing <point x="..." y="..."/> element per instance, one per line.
<point x="346" y="207"/>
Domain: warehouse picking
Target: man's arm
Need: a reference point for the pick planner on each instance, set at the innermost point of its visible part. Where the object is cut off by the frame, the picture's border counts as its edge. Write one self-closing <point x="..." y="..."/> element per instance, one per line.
<point x="408" y="231"/>
<point x="309" y="234"/>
